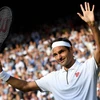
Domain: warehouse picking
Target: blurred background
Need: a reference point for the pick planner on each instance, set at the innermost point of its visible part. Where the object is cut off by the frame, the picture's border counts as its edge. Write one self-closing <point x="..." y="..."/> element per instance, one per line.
<point x="26" y="53"/>
<point x="28" y="14"/>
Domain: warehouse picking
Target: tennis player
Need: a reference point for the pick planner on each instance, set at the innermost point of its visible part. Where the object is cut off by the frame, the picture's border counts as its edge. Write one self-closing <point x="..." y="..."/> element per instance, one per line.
<point x="74" y="81"/>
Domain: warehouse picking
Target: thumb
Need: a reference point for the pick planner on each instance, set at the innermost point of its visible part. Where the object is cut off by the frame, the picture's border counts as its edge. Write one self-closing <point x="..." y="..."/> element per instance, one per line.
<point x="79" y="15"/>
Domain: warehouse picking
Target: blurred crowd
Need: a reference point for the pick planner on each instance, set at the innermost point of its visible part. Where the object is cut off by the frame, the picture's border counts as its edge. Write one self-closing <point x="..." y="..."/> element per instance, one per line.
<point x="28" y="55"/>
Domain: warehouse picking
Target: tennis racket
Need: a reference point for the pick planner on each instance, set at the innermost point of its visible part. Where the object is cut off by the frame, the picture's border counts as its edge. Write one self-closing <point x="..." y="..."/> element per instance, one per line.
<point x="5" y="23"/>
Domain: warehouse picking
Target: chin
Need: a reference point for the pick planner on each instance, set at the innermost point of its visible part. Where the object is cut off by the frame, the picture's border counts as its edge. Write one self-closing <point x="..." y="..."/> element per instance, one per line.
<point x="62" y="64"/>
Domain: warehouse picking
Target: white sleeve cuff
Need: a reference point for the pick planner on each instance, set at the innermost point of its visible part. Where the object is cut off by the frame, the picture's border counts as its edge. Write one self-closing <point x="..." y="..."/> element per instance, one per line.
<point x="4" y="76"/>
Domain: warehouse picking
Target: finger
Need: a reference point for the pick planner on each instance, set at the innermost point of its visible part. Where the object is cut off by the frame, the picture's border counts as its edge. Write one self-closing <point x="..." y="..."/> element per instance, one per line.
<point x="82" y="8"/>
<point x="93" y="7"/>
<point x="86" y="6"/>
<point x="80" y="15"/>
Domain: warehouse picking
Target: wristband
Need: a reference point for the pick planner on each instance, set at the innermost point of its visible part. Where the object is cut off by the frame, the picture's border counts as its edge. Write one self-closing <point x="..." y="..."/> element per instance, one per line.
<point x="91" y="23"/>
<point x="4" y="76"/>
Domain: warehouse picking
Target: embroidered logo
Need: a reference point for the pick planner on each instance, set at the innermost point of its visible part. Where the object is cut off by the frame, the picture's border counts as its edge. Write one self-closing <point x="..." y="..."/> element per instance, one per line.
<point x="77" y="74"/>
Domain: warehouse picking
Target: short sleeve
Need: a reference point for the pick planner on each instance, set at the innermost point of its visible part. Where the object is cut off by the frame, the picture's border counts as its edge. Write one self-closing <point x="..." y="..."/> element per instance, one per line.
<point x="45" y="82"/>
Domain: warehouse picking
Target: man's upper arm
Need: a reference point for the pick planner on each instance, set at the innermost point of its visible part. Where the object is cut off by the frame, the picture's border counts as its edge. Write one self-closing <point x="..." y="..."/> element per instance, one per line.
<point x="97" y="56"/>
<point x="33" y="85"/>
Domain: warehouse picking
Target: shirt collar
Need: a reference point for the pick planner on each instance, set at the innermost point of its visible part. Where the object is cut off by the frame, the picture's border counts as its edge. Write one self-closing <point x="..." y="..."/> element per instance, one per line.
<point x="73" y="67"/>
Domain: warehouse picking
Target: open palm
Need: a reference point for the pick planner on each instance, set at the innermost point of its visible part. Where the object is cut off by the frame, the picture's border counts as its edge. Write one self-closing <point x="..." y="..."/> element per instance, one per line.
<point x="88" y="15"/>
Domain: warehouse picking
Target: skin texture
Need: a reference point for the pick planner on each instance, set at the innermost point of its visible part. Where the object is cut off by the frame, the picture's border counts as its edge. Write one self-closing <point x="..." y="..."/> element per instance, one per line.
<point x="88" y="17"/>
<point x="64" y="56"/>
<point x="61" y="54"/>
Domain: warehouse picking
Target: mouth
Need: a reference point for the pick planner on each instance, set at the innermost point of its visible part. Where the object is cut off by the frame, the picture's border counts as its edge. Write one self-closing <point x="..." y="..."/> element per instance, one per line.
<point x="61" y="61"/>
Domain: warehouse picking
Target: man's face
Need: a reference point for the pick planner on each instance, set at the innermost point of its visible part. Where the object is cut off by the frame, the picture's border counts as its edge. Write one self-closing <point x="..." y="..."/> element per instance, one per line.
<point x="62" y="55"/>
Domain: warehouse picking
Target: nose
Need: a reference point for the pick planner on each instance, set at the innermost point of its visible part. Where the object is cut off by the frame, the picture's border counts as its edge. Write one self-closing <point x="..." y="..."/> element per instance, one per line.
<point x="59" y="56"/>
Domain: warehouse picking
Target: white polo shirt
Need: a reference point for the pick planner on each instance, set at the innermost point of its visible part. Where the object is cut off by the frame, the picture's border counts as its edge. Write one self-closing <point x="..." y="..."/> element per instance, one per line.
<point x="78" y="83"/>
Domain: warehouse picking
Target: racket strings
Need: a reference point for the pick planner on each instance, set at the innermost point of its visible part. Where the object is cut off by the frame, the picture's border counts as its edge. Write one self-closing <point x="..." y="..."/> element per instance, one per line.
<point x="5" y="22"/>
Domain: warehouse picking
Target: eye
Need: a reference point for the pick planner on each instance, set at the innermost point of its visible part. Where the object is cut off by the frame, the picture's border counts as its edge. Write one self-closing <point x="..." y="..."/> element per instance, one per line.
<point x="61" y="51"/>
<point x="54" y="55"/>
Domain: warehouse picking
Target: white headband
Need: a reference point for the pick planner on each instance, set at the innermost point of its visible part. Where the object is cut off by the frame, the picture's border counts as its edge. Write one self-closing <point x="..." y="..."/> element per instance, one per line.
<point x="60" y="43"/>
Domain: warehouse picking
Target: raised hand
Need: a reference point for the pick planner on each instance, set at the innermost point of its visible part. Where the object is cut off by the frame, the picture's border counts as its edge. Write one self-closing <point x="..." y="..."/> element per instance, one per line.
<point x="88" y="14"/>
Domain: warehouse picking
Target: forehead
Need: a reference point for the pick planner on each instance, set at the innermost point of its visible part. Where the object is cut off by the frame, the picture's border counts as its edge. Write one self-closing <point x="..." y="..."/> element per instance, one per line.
<point x="58" y="48"/>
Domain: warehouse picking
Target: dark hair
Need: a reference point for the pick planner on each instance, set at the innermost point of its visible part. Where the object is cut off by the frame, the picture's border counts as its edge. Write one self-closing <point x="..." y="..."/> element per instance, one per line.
<point x="62" y="39"/>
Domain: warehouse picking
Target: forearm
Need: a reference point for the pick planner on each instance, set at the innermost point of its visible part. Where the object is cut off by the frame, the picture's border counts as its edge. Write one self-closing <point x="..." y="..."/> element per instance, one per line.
<point x="96" y="33"/>
<point x="22" y="84"/>
<point x="18" y="83"/>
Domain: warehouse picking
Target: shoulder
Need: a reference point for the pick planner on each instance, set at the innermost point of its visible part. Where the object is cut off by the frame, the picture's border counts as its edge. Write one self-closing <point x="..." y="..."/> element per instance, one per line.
<point x="90" y="64"/>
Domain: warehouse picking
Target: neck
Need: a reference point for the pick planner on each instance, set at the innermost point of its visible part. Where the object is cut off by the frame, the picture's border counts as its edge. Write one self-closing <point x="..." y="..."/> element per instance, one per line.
<point x="69" y="65"/>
